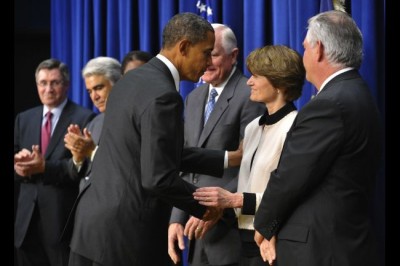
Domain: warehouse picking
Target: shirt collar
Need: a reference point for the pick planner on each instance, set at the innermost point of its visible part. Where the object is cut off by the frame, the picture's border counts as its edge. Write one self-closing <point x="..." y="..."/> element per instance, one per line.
<point x="267" y="119"/>
<point x="222" y="85"/>
<point x="55" y="111"/>
<point x="334" y="75"/>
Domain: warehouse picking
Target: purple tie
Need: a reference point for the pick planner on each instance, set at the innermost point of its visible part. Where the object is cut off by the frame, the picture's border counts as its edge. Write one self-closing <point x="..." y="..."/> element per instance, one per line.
<point x="46" y="132"/>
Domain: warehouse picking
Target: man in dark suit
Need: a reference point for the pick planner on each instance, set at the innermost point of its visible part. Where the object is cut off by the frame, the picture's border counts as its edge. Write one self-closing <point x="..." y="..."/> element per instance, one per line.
<point x="315" y="209"/>
<point x="47" y="191"/>
<point x="122" y="215"/>
<point x="224" y="130"/>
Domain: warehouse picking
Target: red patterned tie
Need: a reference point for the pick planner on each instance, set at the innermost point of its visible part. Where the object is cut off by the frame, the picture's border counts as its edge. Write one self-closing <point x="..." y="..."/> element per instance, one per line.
<point x="46" y="132"/>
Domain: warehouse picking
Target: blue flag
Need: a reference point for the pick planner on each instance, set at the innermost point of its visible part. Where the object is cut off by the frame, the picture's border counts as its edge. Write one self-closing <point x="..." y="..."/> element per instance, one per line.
<point x="204" y="9"/>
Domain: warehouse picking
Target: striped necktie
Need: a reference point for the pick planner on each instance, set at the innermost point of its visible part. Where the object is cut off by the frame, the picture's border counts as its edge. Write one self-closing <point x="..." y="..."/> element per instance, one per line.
<point x="210" y="104"/>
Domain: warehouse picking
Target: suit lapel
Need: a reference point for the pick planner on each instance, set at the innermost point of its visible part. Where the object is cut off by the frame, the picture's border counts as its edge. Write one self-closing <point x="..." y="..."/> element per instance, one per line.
<point x="61" y="128"/>
<point x="197" y="112"/>
<point x="220" y="107"/>
<point x="36" y="126"/>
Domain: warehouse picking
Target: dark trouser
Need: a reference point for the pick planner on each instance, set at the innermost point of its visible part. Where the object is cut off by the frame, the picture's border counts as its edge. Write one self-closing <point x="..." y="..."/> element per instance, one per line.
<point x="199" y="257"/>
<point x="36" y="252"/>
<point x="250" y="251"/>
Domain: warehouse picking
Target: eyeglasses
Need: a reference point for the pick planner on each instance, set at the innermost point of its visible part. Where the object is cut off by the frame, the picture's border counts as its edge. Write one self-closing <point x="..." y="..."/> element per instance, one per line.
<point x="53" y="83"/>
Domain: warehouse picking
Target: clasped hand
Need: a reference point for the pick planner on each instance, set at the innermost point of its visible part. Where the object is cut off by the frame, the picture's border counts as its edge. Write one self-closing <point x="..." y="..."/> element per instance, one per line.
<point x="267" y="248"/>
<point x="27" y="163"/>
<point x="79" y="143"/>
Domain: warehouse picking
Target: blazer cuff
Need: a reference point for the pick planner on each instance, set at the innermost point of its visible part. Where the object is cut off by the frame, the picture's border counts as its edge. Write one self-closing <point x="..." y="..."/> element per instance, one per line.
<point x="249" y="203"/>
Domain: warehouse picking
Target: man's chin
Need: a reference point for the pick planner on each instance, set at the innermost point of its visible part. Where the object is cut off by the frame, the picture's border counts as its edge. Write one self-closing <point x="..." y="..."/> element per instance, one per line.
<point x="206" y="78"/>
<point x="100" y="107"/>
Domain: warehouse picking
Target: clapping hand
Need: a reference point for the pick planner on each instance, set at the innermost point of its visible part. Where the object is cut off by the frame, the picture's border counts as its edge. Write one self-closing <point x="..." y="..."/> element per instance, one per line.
<point x="79" y="143"/>
<point x="28" y="163"/>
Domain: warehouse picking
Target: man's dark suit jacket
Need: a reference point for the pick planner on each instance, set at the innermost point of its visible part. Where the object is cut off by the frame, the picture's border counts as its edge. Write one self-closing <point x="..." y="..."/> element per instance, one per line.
<point x="52" y="192"/>
<point x="223" y="130"/>
<point x="122" y="216"/>
<point x="317" y="201"/>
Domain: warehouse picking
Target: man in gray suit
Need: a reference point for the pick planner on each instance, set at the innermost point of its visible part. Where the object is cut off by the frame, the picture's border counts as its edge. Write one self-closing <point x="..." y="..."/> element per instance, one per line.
<point x="100" y="74"/>
<point x="223" y="130"/>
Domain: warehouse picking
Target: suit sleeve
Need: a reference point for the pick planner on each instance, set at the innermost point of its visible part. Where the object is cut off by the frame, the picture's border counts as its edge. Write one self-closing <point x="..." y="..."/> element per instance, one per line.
<point x="178" y="216"/>
<point x="203" y="161"/>
<point x="310" y="148"/>
<point x="162" y="142"/>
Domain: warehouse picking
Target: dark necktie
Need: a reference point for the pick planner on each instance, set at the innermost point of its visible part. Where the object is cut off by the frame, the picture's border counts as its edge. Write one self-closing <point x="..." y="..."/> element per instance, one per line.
<point x="210" y="104"/>
<point x="46" y="133"/>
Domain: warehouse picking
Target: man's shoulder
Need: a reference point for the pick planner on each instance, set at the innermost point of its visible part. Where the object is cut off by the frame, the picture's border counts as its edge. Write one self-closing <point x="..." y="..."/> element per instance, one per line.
<point x="98" y="119"/>
<point x="31" y="111"/>
<point x="238" y="75"/>
<point x="238" y="80"/>
<point x="74" y="107"/>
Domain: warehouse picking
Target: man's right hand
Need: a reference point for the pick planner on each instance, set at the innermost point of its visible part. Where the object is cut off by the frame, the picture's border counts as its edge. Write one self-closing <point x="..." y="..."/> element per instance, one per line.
<point x="175" y="236"/>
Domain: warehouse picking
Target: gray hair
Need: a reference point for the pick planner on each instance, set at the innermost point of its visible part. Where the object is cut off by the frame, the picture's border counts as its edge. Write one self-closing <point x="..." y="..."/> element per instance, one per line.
<point x="53" y="63"/>
<point x="340" y="36"/>
<point x="185" y="25"/>
<point x="109" y="67"/>
<point x="229" y="41"/>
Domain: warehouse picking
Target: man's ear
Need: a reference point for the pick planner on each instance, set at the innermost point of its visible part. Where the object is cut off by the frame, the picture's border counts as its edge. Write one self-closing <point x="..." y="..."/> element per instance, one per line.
<point x="184" y="46"/>
<point x="320" y="50"/>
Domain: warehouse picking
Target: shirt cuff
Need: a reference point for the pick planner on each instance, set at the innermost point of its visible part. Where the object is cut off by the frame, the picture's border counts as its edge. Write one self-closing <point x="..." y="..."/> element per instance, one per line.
<point x="93" y="153"/>
<point x="226" y="160"/>
<point x="78" y="165"/>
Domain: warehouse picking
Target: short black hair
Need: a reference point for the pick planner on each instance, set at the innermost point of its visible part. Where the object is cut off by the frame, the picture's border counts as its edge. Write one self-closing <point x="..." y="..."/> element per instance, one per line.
<point x="135" y="55"/>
